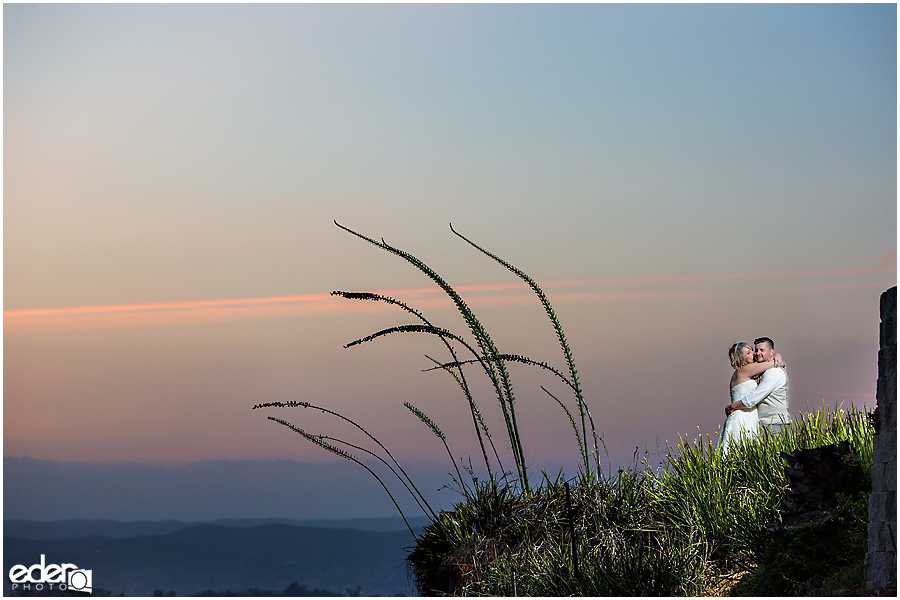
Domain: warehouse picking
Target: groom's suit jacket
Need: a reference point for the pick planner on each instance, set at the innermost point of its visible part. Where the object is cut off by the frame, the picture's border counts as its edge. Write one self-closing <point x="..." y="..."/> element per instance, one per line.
<point x="770" y="398"/>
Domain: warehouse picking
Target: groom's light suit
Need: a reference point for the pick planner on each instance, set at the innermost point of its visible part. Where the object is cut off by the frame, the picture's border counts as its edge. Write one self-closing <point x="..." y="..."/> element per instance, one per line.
<point x="771" y="399"/>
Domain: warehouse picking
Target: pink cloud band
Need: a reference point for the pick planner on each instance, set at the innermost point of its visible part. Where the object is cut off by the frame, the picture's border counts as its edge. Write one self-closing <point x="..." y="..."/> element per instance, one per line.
<point x="488" y="294"/>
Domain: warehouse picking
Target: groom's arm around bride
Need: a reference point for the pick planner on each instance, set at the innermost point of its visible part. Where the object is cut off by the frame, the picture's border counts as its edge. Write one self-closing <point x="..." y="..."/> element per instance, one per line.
<point x="771" y="396"/>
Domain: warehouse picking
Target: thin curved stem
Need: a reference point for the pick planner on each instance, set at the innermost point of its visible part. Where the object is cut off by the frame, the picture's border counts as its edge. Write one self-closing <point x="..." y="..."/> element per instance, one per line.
<point x="499" y="378"/>
<point x="294" y="404"/>
<point x="561" y="336"/>
<point x="350" y="457"/>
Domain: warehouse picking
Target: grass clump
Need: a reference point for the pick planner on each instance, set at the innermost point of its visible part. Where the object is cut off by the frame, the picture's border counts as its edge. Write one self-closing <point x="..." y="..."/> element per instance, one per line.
<point x="826" y="554"/>
<point x="694" y="525"/>
<point x="815" y="559"/>
<point x="478" y="352"/>
<point x="732" y="500"/>
<point x="619" y="549"/>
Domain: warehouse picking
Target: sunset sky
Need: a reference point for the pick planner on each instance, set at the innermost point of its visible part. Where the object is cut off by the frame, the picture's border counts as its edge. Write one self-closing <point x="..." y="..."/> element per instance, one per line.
<point x="677" y="177"/>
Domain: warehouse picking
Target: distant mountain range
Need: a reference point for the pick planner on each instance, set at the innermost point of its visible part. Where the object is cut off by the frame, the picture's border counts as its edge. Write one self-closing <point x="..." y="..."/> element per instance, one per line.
<point x="364" y="556"/>
<point x="65" y="529"/>
<point x="49" y="490"/>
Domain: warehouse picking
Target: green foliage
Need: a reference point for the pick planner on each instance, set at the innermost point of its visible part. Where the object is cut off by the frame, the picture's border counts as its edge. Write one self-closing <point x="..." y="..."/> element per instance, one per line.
<point x="828" y="557"/>
<point x="732" y="499"/>
<point x="617" y="563"/>
<point x="505" y="543"/>
<point x="677" y="530"/>
<point x="814" y="559"/>
<point x="454" y="544"/>
<point x="729" y="501"/>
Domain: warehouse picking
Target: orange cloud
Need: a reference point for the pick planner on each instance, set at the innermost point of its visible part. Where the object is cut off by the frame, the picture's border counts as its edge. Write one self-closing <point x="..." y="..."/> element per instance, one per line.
<point x="170" y="313"/>
<point x="424" y="298"/>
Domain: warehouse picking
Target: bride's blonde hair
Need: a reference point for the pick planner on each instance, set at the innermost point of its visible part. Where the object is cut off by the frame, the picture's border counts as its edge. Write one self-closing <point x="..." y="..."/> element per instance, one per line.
<point x="734" y="353"/>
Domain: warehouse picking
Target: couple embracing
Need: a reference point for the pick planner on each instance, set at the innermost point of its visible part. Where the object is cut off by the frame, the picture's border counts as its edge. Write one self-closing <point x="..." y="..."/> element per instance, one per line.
<point x="759" y="392"/>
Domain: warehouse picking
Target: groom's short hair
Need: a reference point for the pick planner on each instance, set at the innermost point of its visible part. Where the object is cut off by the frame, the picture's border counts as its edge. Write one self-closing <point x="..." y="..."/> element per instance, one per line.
<point x="766" y="340"/>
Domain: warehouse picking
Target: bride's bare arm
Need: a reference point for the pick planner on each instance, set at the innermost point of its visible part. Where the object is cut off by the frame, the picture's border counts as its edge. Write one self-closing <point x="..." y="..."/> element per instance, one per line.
<point x="755" y="368"/>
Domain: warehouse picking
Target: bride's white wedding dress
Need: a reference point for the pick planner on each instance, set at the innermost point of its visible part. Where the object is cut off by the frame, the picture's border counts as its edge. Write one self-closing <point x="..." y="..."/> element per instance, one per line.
<point x="743" y="421"/>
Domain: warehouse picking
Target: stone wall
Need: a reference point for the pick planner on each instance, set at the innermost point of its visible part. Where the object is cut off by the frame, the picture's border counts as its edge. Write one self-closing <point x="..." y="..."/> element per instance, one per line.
<point x="881" y="560"/>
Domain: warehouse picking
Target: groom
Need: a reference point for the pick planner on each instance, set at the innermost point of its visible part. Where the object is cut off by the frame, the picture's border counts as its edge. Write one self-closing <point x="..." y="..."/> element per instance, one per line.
<point x="771" y="395"/>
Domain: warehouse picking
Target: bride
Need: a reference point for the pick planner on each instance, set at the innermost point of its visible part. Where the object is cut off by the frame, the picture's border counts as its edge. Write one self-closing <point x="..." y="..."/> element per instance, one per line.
<point x="743" y="422"/>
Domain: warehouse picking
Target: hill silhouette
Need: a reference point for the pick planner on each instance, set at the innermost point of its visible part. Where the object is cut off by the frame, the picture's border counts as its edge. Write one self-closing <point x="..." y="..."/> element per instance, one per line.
<point x="76" y="528"/>
<point x="200" y="557"/>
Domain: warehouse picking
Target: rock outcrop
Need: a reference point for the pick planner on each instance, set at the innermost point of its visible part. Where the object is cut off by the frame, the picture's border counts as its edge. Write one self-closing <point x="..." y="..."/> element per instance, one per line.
<point x="881" y="560"/>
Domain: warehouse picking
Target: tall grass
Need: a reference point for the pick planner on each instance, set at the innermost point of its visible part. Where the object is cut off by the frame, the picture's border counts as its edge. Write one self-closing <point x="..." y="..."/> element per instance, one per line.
<point x="732" y="499"/>
<point x="682" y="528"/>
<point x="504" y="544"/>
<point x="483" y="354"/>
<point x="573" y="382"/>
<point x="490" y="357"/>
<point x="675" y="529"/>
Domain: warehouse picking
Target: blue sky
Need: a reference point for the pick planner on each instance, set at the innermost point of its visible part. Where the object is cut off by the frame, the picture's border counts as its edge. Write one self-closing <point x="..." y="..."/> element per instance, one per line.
<point x="688" y="175"/>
